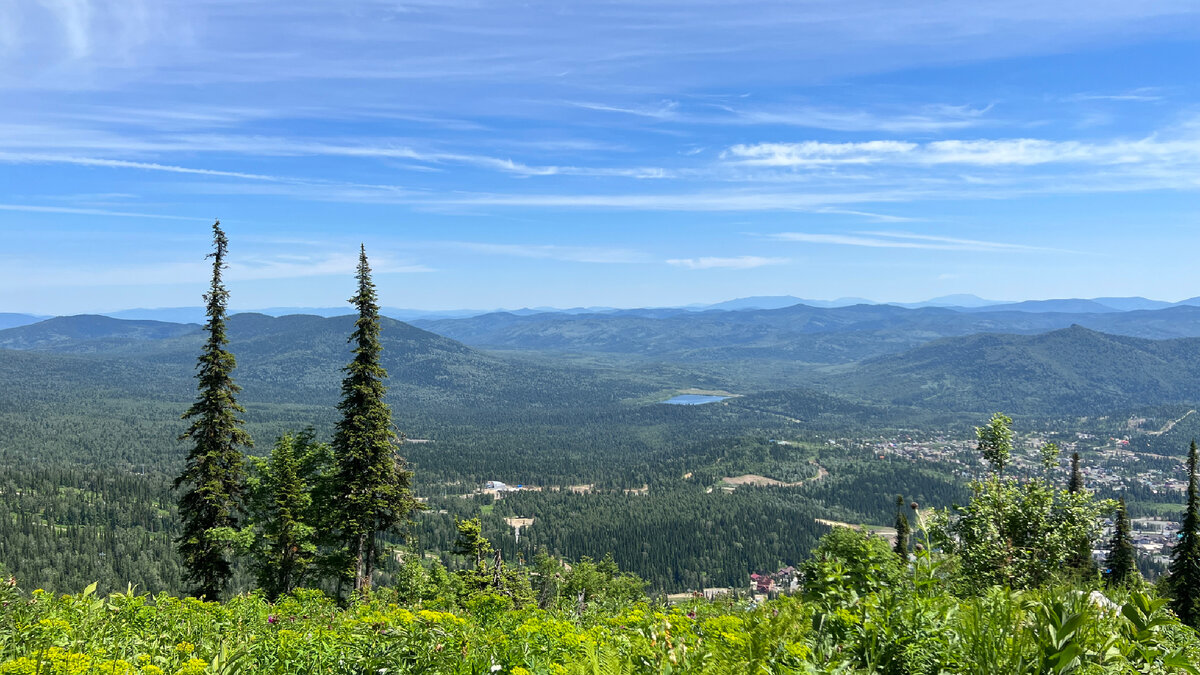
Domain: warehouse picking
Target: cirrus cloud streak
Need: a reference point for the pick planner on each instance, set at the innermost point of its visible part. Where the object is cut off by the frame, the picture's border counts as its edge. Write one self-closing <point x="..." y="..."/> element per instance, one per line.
<point x="743" y="262"/>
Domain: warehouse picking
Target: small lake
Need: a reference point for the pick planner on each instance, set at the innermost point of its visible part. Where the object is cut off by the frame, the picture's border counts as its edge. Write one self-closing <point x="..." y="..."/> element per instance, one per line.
<point x="694" y="399"/>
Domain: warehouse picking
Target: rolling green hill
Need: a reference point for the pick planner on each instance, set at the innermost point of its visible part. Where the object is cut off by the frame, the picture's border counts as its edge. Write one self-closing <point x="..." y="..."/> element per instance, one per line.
<point x="1073" y="370"/>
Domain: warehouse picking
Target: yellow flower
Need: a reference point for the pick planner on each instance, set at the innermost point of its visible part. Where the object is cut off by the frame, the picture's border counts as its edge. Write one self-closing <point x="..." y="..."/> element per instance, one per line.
<point x="185" y="648"/>
<point x="193" y="667"/>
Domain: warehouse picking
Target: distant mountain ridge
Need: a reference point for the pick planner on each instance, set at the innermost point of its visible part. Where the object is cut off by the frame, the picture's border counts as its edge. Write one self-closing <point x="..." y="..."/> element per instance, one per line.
<point x="87" y="332"/>
<point x="13" y="320"/>
<point x="960" y="302"/>
<point x="796" y="333"/>
<point x="884" y="356"/>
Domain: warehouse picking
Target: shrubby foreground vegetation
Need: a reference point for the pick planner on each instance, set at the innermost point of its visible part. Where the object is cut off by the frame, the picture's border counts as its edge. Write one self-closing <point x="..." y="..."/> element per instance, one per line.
<point x="864" y="610"/>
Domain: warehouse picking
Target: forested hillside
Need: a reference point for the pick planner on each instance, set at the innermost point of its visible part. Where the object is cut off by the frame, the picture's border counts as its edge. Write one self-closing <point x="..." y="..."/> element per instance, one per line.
<point x="1072" y="371"/>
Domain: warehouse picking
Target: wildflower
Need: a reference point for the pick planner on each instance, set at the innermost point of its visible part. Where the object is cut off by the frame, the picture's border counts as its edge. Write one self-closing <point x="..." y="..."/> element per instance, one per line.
<point x="272" y="619"/>
<point x="193" y="667"/>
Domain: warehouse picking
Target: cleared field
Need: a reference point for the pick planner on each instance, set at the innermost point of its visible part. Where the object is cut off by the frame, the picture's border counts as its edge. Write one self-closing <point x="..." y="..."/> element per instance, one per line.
<point x="755" y="479"/>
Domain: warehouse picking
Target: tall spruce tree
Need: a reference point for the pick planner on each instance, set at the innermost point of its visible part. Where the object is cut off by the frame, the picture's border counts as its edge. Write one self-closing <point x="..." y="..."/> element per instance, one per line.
<point x="1183" y="580"/>
<point x="282" y="534"/>
<point x="1076" y="484"/>
<point x="371" y="484"/>
<point x="213" y="474"/>
<point x="1122" y="560"/>
<point x="902" y="530"/>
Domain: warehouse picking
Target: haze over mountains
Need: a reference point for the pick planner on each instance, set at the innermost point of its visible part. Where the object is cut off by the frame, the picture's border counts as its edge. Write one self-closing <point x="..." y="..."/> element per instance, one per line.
<point x="961" y="302"/>
<point x="1031" y="356"/>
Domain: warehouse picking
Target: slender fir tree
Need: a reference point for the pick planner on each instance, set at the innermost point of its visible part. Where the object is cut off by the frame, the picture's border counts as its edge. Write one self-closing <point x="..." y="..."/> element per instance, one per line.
<point x="371" y="483"/>
<point x="284" y="544"/>
<point x="1076" y="484"/>
<point x="902" y="530"/>
<point x="1121" y="562"/>
<point x="1183" y="580"/>
<point x="213" y="474"/>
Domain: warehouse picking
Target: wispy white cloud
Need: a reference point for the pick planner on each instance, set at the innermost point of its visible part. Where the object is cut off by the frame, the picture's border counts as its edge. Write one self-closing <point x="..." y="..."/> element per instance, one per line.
<point x="42" y="143"/>
<point x="926" y="119"/>
<point x="743" y="262"/>
<point x="666" y="110"/>
<point x="983" y="152"/>
<point x="34" y="208"/>
<point x="879" y="217"/>
<point x="1139" y="95"/>
<point x="916" y="119"/>
<point x="37" y="158"/>
<point x="817" y="153"/>
<point x="956" y="241"/>
<point x="712" y="200"/>
<point x="584" y="254"/>
<point x="183" y="118"/>
<point x="903" y="240"/>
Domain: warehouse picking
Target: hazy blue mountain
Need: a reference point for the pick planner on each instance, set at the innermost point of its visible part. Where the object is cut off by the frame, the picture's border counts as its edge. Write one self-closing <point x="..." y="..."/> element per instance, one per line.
<point x="1132" y="303"/>
<point x="760" y="302"/>
<point x="12" y="320"/>
<point x="1069" y="371"/>
<point x="88" y="333"/>
<point x="779" y="302"/>
<point x="956" y="300"/>
<point x="1063" y="306"/>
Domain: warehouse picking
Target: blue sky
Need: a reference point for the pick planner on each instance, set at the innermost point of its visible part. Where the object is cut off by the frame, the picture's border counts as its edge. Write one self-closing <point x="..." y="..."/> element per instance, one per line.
<point x="648" y="152"/>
